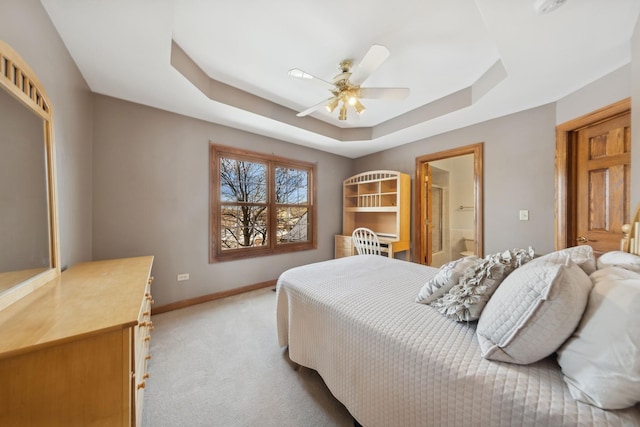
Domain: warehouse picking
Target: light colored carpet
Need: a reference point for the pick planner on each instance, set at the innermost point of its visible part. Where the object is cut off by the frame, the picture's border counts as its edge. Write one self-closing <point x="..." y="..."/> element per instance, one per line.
<point x="219" y="364"/>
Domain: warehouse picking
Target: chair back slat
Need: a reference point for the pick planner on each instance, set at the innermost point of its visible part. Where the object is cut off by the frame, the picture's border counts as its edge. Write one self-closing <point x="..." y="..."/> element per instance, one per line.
<point x="366" y="241"/>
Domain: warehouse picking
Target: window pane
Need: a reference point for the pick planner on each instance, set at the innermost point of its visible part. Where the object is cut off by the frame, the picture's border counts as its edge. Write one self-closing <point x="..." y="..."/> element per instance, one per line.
<point x="243" y="226"/>
<point x="293" y="225"/>
<point x="292" y="186"/>
<point x="242" y="181"/>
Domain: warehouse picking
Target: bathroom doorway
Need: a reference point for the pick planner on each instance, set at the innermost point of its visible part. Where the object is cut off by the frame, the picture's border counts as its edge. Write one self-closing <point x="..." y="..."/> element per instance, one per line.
<point x="448" y="211"/>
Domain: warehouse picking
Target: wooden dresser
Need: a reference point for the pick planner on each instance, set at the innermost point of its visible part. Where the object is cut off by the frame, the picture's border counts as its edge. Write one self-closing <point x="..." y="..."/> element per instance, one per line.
<point x="74" y="352"/>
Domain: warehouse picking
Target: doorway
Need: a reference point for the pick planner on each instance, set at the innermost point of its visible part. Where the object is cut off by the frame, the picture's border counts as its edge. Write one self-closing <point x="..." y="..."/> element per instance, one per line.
<point x="443" y="231"/>
<point x="593" y="163"/>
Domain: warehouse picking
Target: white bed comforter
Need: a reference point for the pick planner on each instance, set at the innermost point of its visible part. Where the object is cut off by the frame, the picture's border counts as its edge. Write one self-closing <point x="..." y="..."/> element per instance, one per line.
<point x="393" y="362"/>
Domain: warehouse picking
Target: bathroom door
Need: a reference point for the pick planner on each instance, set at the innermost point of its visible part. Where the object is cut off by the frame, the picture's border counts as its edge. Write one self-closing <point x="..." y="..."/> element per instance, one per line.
<point x="427" y="214"/>
<point x="423" y="181"/>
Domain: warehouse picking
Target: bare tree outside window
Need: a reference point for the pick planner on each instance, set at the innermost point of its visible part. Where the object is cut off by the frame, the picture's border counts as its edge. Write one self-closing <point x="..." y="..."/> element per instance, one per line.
<point x="292" y="188"/>
<point x="260" y="204"/>
<point x="243" y="185"/>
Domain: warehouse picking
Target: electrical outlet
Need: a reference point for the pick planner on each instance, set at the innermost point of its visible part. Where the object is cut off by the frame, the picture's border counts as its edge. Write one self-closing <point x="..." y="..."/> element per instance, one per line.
<point x="524" y="215"/>
<point x="183" y="276"/>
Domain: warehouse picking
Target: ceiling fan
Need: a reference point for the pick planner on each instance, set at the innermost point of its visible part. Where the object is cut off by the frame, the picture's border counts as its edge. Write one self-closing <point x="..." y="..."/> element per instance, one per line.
<point x="345" y="87"/>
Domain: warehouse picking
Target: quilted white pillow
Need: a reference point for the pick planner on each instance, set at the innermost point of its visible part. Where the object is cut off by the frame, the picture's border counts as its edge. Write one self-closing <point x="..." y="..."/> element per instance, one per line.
<point x="445" y="279"/>
<point x="581" y="255"/>
<point x="601" y="361"/>
<point x="619" y="259"/>
<point x="535" y="309"/>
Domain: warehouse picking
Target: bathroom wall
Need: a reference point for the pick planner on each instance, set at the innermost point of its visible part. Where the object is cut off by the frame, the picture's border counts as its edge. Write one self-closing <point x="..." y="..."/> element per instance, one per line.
<point x="440" y="179"/>
<point x="459" y="224"/>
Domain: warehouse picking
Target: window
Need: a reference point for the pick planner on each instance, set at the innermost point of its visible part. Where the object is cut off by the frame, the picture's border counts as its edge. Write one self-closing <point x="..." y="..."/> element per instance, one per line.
<point x="260" y="204"/>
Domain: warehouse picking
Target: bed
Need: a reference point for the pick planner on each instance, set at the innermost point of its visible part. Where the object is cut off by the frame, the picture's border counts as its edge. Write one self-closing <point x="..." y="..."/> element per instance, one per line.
<point x="394" y="362"/>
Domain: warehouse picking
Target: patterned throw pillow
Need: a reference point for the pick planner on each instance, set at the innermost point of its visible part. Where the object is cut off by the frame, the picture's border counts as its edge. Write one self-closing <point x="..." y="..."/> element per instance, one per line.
<point x="445" y="279"/>
<point x="465" y="301"/>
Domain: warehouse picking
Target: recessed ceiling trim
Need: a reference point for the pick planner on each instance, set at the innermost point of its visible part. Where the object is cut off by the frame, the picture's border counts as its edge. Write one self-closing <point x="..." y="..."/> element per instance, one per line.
<point x="489" y="80"/>
<point x="234" y="97"/>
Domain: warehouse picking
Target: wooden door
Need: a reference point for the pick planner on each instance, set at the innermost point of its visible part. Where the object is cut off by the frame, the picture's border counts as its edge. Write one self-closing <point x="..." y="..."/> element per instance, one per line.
<point x="422" y="192"/>
<point x="427" y="214"/>
<point x="603" y="168"/>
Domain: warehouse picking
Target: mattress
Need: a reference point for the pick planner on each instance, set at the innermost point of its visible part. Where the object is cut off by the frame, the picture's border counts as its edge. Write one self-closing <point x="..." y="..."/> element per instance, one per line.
<point x="394" y="362"/>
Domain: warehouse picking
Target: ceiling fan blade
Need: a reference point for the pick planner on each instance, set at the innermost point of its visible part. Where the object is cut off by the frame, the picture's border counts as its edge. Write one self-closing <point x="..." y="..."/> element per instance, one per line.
<point x="299" y="74"/>
<point x="316" y="107"/>
<point x="376" y="55"/>
<point x="389" y="93"/>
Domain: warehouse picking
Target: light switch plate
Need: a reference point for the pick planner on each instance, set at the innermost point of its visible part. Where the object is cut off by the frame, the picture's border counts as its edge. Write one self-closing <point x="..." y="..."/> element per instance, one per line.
<point x="524" y="215"/>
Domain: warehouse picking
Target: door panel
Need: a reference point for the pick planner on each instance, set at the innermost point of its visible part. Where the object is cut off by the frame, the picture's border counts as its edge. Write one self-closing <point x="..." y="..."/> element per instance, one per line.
<point x="426" y="207"/>
<point x="428" y="214"/>
<point x="603" y="182"/>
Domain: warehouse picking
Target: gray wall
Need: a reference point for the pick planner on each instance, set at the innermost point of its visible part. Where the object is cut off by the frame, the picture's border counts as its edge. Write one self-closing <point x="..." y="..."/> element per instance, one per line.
<point x="25" y="26"/>
<point x="151" y="196"/>
<point x="519" y="166"/>
<point x="605" y="91"/>
<point x="519" y="154"/>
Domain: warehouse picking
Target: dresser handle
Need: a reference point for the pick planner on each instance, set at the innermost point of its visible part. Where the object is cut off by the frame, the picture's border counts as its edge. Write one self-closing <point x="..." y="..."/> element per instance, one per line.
<point x="146" y="313"/>
<point x="145" y="376"/>
<point x="151" y="280"/>
<point x="147" y="338"/>
<point x="147" y="357"/>
<point x="141" y="324"/>
<point x="141" y="385"/>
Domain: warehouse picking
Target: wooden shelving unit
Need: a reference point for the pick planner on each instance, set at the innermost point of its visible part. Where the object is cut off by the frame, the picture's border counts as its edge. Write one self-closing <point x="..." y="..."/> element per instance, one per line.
<point x="379" y="200"/>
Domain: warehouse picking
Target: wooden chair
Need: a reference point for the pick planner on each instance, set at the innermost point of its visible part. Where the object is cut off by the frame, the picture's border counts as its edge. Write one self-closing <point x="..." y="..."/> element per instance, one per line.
<point x="366" y="241"/>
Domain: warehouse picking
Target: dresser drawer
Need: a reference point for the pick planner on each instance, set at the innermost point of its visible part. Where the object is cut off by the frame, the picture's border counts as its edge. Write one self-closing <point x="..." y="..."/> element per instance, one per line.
<point x="343" y="242"/>
<point x="141" y="355"/>
<point x="343" y="246"/>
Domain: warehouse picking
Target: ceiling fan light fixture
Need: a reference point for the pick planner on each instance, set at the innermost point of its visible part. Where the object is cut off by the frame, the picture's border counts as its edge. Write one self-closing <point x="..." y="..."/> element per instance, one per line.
<point x="332" y="105"/>
<point x="299" y="74"/>
<point x="346" y="86"/>
<point x="359" y="107"/>
<point x="546" y="6"/>
<point x="343" y="112"/>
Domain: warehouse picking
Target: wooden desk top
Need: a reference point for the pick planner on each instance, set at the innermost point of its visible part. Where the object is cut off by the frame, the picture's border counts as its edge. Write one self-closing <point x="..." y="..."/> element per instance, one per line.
<point x="87" y="299"/>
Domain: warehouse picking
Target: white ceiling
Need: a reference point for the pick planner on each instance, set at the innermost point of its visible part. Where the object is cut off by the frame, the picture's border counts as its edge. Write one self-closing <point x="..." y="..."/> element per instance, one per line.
<point x="438" y="47"/>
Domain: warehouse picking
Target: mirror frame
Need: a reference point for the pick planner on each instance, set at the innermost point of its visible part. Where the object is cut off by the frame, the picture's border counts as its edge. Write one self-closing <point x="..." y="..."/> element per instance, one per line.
<point x="19" y="80"/>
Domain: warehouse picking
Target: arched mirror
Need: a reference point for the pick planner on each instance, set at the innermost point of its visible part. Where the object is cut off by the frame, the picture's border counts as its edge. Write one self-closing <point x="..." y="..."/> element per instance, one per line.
<point x="28" y="223"/>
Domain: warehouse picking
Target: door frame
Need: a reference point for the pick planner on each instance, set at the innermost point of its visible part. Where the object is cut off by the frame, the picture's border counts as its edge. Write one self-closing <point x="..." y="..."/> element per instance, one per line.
<point x="419" y="232"/>
<point x="565" y="168"/>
